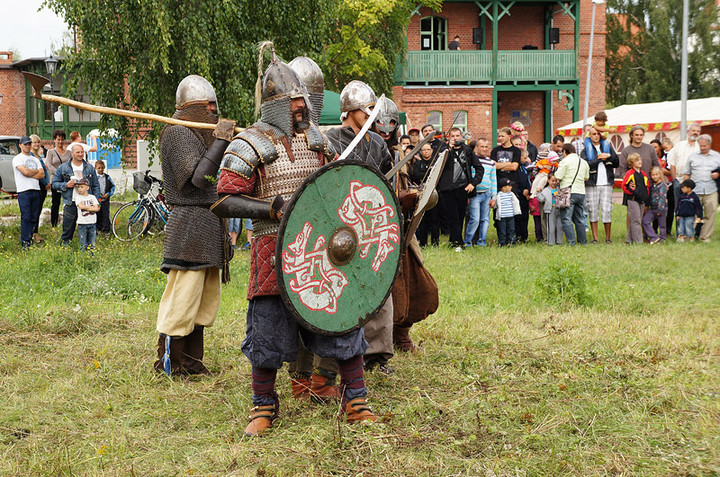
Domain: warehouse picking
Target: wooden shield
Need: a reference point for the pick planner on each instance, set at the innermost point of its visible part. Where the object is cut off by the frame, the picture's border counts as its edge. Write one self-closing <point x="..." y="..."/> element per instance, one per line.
<point x="339" y="247"/>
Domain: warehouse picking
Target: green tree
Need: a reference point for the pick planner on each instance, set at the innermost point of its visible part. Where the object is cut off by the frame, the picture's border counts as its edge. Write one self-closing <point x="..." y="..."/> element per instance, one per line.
<point x="133" y="53"/>
<point x="644" y="50"/>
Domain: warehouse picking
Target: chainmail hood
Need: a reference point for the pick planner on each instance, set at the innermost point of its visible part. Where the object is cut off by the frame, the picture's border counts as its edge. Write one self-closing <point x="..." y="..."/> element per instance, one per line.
<point x="198" y="113"/>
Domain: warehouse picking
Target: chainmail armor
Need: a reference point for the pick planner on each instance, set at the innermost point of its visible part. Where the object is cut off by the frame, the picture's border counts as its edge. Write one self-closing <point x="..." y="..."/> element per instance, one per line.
<point x="194" y="236"/>
<point x="284" y="177"/>
<point x="316" y="104"/>
<point x="277" y="116"/>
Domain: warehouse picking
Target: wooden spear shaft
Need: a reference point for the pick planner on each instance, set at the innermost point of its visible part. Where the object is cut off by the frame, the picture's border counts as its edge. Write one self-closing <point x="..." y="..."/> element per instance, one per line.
<point x="38" y="82"/>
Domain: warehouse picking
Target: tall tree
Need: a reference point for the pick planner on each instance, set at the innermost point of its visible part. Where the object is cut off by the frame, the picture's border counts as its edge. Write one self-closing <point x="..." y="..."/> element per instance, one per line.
<point x="135" y="52"/>
<point x="644" y="44"/>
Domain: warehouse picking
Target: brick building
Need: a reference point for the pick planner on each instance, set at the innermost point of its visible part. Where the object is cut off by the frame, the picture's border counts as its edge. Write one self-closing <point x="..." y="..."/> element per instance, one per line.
<point x="519" y="61"/>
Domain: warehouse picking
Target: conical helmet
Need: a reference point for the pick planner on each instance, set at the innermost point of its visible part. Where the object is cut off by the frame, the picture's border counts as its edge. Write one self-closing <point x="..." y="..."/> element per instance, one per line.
<point x="312" y="75"/>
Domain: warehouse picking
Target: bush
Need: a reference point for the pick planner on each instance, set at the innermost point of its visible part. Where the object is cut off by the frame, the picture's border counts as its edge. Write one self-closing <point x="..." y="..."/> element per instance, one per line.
<point x="564" y="283"/>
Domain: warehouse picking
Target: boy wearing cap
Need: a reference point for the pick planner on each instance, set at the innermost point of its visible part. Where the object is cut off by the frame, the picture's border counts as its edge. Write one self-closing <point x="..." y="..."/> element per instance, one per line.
<point x="27" y="170"/>
<point x="88" y="207"/>
<point x="508" y="206"/>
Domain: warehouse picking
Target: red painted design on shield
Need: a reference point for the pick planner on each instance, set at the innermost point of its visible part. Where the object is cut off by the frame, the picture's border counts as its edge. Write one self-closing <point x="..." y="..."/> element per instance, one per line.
<point x="317" y="283"/>
<point x="366" y="211"/>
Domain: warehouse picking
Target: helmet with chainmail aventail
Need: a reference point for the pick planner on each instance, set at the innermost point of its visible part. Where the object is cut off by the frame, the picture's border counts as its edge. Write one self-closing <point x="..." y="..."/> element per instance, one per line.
<point x="312" y="75"/>
<point x="357" y="95"/>
<point x="280" y="84"/>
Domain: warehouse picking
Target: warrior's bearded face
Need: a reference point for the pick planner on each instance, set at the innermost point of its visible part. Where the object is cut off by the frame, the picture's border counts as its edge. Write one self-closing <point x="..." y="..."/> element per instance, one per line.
<point x="300" y="114"/>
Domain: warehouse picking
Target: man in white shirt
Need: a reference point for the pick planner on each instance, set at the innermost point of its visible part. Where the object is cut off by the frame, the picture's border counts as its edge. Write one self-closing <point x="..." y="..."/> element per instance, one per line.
<point x="27" y="170"/>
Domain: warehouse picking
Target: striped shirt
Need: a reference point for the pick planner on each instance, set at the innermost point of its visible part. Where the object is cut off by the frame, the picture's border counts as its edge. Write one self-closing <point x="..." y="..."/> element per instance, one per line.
<point x="489" y="180"/>
<point x="505" y="204"/>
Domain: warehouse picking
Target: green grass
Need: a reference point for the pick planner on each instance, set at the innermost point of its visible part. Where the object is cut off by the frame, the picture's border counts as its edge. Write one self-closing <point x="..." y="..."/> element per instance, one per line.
<point x="597" y="360"/>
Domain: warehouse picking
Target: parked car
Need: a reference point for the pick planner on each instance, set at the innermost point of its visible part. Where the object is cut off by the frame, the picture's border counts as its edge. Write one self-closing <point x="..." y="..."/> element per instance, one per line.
<point x="9" y="148"/>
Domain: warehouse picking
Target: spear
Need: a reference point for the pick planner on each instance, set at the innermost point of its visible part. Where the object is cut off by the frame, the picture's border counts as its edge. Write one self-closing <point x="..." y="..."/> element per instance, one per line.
<point x="38" y="82"/>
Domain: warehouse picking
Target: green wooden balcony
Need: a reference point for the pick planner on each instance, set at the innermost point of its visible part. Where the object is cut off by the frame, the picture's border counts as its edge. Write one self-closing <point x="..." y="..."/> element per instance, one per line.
<point x="476" y="67"/>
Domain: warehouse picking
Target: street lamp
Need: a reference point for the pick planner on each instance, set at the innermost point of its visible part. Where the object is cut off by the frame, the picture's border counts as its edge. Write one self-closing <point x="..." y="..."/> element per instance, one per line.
<point x="50" y="66"/>
<point x="589" y="67"/>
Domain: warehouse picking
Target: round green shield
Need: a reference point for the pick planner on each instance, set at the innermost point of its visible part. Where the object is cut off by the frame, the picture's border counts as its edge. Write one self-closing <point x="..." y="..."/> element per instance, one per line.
<point x="339" y="247"/>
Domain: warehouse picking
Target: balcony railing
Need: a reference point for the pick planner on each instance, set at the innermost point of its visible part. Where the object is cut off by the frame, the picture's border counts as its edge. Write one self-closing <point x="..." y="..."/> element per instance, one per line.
<point x="476" y="67"/>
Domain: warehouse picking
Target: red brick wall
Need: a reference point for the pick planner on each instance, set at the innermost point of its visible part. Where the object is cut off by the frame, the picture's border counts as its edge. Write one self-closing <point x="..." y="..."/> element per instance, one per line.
<point x="416" y="102"/>
<point x="530" y="101"/>
<point x="12" y="110"/>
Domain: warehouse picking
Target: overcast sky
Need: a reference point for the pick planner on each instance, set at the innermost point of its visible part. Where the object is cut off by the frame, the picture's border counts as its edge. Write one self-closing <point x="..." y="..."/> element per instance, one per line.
<point x="27" y="31"/>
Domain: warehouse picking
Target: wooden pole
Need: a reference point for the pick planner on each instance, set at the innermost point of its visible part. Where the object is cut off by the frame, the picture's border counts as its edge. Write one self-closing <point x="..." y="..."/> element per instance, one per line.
<point x="38" y="82"/>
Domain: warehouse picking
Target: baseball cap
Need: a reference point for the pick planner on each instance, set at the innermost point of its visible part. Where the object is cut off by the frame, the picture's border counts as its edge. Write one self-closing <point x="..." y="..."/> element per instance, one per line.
<point x="25" y="140"/>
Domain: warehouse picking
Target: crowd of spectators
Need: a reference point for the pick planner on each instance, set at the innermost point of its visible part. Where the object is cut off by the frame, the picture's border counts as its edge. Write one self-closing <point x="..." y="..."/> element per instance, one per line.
<point x="82" y="188"/>
<point x="566" y="187"/>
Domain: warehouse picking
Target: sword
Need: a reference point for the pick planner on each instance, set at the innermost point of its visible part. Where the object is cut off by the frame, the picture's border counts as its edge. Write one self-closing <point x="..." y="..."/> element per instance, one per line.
<point x="408" y="156"/>
<point x="363" y="130"/>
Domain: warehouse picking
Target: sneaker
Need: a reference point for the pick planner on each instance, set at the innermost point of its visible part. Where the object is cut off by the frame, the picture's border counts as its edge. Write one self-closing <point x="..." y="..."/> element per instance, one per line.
<point x="458" y="249"/>
<point x="385" y="369"/>
<point x="246" y="246"/>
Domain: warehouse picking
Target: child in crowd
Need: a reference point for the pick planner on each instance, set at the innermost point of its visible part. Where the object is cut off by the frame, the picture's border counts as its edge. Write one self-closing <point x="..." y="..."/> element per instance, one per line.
<point x="688" y="211"/>
<point x="553" y="222"/>
<point x="88" y="207"/>
<point x="637" y="195"/>
<point x="601" y="126"/>
<point x="507" y="207"/>
<point x="547" y="163"/>
<point x="534" y="210"/>
<point x="107" y="189"/>
<point x="657" y="207"/>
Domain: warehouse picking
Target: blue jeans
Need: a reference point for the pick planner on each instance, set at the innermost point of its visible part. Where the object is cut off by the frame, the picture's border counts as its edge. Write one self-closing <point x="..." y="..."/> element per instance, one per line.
<point x="87" y="233"/>
<point x="574" y="215"/>
<point x="29" y="202"/>
<point x="506" y="231"/>
<point x="479" y="215"/>
<point x="686" y="227"/>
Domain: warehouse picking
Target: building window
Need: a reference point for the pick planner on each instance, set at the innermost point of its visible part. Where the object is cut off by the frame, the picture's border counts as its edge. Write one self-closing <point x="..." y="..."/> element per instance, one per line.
<point x="433" y="33"/>
<point x="460" y="120"/>
<point x="435" y="118"/>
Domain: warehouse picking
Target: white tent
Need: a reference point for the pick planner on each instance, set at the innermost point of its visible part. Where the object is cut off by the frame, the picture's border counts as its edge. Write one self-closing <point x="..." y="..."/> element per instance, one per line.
<point x="659" y="119"/>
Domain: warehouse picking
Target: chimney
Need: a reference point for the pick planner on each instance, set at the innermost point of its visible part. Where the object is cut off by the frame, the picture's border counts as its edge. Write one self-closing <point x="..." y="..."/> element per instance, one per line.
<point x="6" y="57"/>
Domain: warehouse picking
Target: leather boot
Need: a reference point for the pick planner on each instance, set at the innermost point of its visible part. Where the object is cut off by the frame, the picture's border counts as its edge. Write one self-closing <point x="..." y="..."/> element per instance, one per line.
<point x="261" y="418"/>
<point x="300" y="388"/>
<point x="193" y="353"/>
<point x="174" y="355"/>
<point x="358" y="410"/>
<point x="323" y="389"/>
<point x="401" y="338"/>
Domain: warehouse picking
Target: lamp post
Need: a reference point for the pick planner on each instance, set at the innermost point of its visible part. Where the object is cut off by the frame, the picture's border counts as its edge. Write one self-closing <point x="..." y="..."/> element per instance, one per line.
<point x="684" y="72"/>
<point x="50" y="66"/>
<point x="589" y="67"/>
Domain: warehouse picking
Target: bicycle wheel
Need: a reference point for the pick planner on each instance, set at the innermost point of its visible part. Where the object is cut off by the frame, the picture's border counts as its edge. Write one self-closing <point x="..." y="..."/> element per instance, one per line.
<point x="131" y="221"/>
<point x="160" y="216"/>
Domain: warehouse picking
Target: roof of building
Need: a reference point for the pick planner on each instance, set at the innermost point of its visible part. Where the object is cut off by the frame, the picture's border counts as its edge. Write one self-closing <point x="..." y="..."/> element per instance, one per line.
<point x="664" y="116"/>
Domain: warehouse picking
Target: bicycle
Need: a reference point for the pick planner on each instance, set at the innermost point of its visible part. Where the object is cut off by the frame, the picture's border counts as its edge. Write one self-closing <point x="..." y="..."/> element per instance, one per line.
<point x="140" y="217"/>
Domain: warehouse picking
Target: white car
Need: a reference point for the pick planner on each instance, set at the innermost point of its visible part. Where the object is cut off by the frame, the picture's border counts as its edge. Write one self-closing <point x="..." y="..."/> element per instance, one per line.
<point x="9" y="148"/>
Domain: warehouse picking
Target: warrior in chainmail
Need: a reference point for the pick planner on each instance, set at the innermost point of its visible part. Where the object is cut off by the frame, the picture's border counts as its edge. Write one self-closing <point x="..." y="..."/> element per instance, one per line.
<point x="356" y="102"/>
<point x="194" y="249"/>
<point x="310" y="375"/>
<point x="261" y="169"/>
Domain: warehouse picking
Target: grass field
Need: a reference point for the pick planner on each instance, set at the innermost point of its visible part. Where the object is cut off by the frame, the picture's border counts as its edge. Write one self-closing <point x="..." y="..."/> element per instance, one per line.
<point x="596" y="360"/>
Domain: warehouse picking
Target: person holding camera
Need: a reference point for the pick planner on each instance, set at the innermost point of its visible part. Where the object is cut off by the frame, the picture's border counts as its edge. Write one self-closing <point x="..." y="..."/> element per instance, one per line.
<point x="456" y="185"/>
